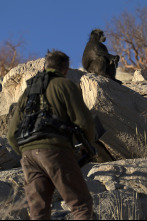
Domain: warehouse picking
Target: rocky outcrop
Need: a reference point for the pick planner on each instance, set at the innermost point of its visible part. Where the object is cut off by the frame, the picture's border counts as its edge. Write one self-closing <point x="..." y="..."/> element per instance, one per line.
<point x="140" y="75"/>
<point x="119" y="191"/>
<point x="119" y="188"/>
<point x="121" y="113"/>
<point x="138" y="86"/>
<point x="125" y="184"/>
<point x="123" y="76"/>
<point x="139" y="82"/>
<point x="14" y="83"/>
<point x="119" y="108"/>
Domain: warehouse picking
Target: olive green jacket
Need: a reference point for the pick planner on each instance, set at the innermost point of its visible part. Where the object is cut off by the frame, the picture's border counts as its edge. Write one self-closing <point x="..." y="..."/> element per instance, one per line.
<point x="66" y="102"/>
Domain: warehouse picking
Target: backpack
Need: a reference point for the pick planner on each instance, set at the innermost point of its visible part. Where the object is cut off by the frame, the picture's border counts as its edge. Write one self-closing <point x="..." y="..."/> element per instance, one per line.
<point x="37" y="121"/>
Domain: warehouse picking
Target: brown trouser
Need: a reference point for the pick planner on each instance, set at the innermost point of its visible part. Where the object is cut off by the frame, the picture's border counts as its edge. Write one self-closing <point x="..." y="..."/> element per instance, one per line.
<point x="47" y="169"/>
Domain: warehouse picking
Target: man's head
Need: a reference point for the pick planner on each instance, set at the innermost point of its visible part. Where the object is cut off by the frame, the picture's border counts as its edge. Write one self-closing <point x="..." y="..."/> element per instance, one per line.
<point x="57" y="60"/>
<point x="98" y="35"/>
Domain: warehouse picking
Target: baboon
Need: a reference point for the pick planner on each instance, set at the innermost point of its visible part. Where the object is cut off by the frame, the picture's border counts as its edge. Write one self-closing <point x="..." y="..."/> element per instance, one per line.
<point x="96" y="58"/>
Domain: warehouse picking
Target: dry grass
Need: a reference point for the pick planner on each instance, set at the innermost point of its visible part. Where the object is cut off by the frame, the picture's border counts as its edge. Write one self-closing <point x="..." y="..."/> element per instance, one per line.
<point x="119" y="209"/>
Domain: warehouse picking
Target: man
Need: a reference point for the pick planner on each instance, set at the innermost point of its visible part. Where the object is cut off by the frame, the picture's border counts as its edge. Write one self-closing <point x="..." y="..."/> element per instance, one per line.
<point x="49" y="162"/>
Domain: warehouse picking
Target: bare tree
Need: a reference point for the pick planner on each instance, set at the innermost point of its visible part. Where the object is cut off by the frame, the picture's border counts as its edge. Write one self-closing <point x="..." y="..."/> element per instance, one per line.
<point x="10" y="56"/>
<point x="127" y="36"/>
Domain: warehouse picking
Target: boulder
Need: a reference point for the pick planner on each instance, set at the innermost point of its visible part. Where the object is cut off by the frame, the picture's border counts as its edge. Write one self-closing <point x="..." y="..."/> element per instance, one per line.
<point x="14" y="83"/>
<point x="125" y="195"/>
<point x="121" y="113"/>
<point x="140" y="75"/>
<point x="123" y="76"/>
<point x="138" y="86"/>
<point x="119" y="108"/>
<point x="119" y="189"/>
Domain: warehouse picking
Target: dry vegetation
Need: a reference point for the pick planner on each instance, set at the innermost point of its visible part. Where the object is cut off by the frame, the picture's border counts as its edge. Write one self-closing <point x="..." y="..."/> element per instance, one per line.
<point x="127" y="37"/>
<point x="10" y="56"/>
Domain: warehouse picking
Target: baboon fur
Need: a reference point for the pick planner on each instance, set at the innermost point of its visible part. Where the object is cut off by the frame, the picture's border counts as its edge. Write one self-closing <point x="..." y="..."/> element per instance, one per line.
<point x="96" y="58"/>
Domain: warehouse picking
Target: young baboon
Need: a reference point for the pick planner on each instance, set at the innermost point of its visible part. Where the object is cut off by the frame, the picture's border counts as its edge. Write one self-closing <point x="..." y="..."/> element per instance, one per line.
<point x="96" y="58"/>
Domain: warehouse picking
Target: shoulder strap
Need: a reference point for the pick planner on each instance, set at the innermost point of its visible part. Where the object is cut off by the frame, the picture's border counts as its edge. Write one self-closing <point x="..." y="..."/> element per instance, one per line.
<point x="39" y="83"/>
<point x="36" y="88"/>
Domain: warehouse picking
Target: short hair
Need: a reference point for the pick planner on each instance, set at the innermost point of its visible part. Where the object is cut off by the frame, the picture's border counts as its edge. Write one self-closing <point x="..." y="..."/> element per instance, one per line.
<point x="56" y="60"/>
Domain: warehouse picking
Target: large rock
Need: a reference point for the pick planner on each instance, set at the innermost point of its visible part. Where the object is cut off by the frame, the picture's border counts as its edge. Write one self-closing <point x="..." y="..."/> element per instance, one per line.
<point x="119" y="108"/>
<point x="123" y="76"/>
<point x="119" y="189"/>
<point x="14" y="83"/>
<point x="138" y="86"/>
<point x="121" y="113"/>
<point x="140" y="75"/>
<point x="125" y="195"/>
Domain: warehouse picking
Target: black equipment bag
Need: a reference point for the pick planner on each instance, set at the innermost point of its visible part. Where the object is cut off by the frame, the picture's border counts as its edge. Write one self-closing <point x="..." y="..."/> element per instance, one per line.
<point x="36" y="113"/>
